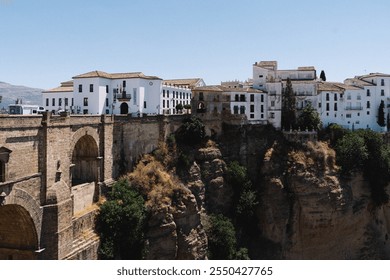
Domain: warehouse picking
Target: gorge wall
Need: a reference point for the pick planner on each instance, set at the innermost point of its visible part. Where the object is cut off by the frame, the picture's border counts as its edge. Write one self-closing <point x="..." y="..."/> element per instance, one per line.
<point x="305" y="209"/>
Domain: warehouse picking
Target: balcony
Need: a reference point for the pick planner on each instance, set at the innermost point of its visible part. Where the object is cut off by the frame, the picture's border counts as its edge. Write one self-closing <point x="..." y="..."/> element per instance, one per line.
<point x="353" y="108"/>
<point x="123" y="97"/>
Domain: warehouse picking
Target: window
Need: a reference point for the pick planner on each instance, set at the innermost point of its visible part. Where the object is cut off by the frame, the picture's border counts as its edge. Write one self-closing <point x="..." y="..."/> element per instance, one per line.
<point x="252" y="108"/>
<point x="262" y="108"/>
<point x="181" y="95"/>
<point x="144" y="104"/>
<point x="124" y="84"/>
<point x="107" y="89"/>
<point x="242" y="110"/>
<point x="335" y="106"/>
<point x="91" y="88"/>
<point x="66" y="102"/>
<point x="262" y="98"/>
<point x="348" y="116"/>
<point x="368" y="112"/>
<point x="107" y="102"/>
<point x="177" y="94"/>
<point x="252" y="98"/>
<point x="368" y="104"/>
<point x="85" y="111"/>
<point x="85" y="101"/>
<point x="327" y="97"/>
<point x="47" y="102"/>
<point x="327" y="106"/>
<point x="368" y="92"/>
<point x="80" y="88"/>
<point x="382" y="92"/>
<point x="382" y="82"/>
<point x="72" y="104"/>
<point x="163" y="92"/>
<point x="201" y="97"/>
<point x="168" y="94"/>
<point x="60" y="102"/>
<point x="235" y="110"/>
<point x="163" y="103"/>
<point x="349" y="96"/>
<point x="134" y="95"/>
<point x="252" y="116"/>
<point x="242" y="98"/>
<point x="262" y="116"/>
<point x="236" y="97"/>
<point x="335" y="97"/>
<point x="319" y="104"/>
<point x="272" y="103"/>
<point x="53" y="102"/>
<point x="167" y="103"/>
<point x="107" y="111"/>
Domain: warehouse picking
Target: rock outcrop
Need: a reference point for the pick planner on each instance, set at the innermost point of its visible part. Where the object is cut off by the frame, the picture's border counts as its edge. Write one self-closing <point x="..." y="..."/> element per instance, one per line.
<point x="312" y="214"/>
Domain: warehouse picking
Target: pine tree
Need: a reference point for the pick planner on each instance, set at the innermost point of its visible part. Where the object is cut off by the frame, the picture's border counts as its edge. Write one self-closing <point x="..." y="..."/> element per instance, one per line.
<point x="381" y="114"/>
<point x="288" y="107"/>
<point x="388" y="121"/>
<point x="322" y="76"/>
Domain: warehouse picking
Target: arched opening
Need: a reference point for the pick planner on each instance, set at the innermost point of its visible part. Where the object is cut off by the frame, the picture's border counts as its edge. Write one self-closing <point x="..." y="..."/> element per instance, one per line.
<point x="19" y="240"/>
<point x="85" y="161"/>
<point x="124" y="108"/>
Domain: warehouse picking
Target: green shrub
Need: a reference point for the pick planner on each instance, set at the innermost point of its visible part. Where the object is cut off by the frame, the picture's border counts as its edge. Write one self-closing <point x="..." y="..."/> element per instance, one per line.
<point x="120" y="223"/>
<point x="221" y="238"/>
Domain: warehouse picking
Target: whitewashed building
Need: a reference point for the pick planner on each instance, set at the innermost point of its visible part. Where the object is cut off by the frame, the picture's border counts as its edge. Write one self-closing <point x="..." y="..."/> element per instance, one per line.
<point x="98" y="92"/>
<point x="59" y="99"/>
<point x="177" y="91"/>
<point x="268" y="78"/>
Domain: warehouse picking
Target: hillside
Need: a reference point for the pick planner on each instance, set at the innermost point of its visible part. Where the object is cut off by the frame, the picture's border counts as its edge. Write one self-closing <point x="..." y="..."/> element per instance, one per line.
<point x="10" y="93"/>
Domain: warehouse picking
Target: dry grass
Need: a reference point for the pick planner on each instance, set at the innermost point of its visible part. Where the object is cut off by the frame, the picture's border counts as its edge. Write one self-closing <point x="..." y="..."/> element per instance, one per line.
<point x="152" y="179"/>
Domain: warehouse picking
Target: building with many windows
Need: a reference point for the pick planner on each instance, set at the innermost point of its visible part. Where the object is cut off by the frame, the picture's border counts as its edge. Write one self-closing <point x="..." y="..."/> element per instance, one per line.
<point x="99" y="92"/>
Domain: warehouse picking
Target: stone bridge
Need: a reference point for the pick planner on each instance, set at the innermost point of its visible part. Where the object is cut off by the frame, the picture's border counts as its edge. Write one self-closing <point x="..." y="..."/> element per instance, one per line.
<point x="52" y="171"/>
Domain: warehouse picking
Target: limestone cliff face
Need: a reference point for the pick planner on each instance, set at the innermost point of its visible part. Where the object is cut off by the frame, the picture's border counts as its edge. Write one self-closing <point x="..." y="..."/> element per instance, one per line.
<point x="176" y="232"/>
<point x="311" y="214"/>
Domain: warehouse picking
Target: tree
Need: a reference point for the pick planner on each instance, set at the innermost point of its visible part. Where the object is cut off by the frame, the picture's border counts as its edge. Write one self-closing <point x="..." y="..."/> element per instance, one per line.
<point x="179" y="107"/>
<point x="388" y="122"/>
<point x="288" y="106"/>
<point x="351" y="153"/>
<point x="192" y="131"/>
<point x="381" y="114"/>
<point x="188" y="108"/>
<point x="322" y="76"/>
<point x="221" y="238"/>
<point x="309" y="118"/>
<point x="121" y="222"/>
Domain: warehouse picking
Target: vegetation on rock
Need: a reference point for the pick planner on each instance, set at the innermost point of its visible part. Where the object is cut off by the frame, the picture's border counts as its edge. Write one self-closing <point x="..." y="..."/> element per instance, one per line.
<point x="121" y="223"/>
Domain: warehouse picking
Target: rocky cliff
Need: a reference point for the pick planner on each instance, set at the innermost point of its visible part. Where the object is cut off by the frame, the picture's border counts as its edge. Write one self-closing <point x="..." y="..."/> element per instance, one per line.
<point x="305" y="210"/>
<point x="310" y="213"/>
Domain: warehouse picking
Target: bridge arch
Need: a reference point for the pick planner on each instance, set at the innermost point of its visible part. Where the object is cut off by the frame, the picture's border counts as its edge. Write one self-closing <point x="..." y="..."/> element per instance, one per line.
<point x="20" y="226"/>
<point x="85" y="156"/>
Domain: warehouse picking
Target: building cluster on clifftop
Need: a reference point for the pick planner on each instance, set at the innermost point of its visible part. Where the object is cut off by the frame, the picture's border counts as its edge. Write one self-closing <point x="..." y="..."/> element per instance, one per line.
<point x="352" y="104"/>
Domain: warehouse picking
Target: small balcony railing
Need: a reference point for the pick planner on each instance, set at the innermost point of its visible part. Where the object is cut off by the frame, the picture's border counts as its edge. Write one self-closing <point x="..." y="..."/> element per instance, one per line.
<point x="353" y="108"/>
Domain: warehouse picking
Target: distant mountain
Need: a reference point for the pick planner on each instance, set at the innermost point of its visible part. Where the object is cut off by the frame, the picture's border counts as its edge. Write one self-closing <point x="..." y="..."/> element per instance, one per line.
<point x="10" y="93"/>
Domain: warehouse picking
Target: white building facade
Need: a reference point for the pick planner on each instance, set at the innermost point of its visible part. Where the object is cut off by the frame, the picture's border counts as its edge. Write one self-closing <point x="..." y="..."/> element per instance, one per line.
<point x="99" y="92"/>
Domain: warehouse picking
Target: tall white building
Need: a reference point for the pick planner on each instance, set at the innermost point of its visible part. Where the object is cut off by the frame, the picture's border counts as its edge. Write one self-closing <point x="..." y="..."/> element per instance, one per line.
<point x="268" y="78"/>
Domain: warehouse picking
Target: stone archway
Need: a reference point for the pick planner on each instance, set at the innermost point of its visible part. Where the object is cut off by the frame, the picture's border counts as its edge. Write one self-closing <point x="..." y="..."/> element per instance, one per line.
<point x="19" y="239"/>
<point x="124" y="108"/>
<point x="85" y="161"/>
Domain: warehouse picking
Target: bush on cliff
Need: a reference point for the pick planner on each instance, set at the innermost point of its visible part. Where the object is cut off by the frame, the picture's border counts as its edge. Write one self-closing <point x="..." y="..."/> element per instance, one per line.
<point x="191" y="132"/>
<point x="120" y="223"/>
<point x="364" y="150"/>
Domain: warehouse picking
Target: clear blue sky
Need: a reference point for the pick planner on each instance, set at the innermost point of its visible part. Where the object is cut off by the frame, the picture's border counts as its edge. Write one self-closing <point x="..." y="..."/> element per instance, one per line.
<point x="45" y="42"/>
